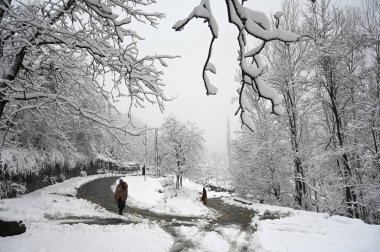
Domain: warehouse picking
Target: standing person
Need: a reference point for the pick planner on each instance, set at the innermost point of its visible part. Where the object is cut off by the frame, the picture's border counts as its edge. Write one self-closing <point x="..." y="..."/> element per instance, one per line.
<point x="121" y="195"/>
<point x="204" y="196"/>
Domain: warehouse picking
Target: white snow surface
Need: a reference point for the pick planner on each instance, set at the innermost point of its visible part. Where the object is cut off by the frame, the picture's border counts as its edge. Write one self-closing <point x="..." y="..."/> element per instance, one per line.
<point x="43" y="210"/>
<point x="81" y="237"/>
<point x="310" y="231"/>
<point x="204" y="241"/>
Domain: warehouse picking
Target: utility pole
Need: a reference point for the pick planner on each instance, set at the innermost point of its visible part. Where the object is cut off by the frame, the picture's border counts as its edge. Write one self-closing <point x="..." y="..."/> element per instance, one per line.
<point x="378" y="68"/>
<point x="156" y="150"/>
<point x="146" y="153"/>
<point x="228" y="144"/>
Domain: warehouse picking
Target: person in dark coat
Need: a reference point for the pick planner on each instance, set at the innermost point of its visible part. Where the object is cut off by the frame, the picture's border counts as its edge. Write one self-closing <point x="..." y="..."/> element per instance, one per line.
<point x="204" y="196"/>
<point x="121" y="195"/>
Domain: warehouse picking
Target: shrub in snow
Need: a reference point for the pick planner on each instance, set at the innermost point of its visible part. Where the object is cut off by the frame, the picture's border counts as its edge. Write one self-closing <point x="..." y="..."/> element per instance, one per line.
<point x="62" y="177"/>
<point x="169" y="187"/>
<point x="51" y="179"/>
<point x="11" y="188"/>
<point x="167" y="182"/>
<point x="20" y="161"/>
<point x="272" y="215"/>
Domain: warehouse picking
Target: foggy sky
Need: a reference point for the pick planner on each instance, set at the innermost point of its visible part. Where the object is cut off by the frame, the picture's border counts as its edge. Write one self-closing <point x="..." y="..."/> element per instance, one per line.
<point x="183" y="77"/>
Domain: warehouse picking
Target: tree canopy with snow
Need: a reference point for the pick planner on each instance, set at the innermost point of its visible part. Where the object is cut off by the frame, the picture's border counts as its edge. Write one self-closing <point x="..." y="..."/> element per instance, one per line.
<point x="58" y="56"/>
<point x="181" y="145"/>
<point x="329" y="135"/>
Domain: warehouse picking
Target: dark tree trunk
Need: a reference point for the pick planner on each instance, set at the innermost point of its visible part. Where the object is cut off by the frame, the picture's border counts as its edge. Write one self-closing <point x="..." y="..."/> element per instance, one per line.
<point x="177" y="182"/>
<point x="299" y="183"/>
<point x="2" y="104"/>
<point x="295" y="132"/>
<point x="350" y="194"/>
<point x="349" y="191"/>
<point x="276" y="192"/>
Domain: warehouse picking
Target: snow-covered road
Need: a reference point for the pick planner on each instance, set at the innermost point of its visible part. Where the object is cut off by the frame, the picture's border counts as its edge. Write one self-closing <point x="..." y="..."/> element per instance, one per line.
<point x="160" y="218"/>
<point x="97" y="191"/>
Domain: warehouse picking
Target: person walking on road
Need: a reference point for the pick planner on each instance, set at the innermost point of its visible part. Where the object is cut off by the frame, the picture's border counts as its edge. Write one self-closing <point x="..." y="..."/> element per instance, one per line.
<point x="121" y="195"/>
<point x="204" y="196"/>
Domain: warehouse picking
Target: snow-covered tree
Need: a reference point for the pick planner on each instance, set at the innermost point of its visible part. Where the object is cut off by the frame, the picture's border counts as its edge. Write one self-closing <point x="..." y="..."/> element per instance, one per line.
<point x="329" y="86"/>
<point x="334" y="79"/>
<point x="181" y="147"/>
<point x="344" y="78"/>
<point x="55" y="56"/>
<point x="261" y="160"/>
<point x="288" y="72"/>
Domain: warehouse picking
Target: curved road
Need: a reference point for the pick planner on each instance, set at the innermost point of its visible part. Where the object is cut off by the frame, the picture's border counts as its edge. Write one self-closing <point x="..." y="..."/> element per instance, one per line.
<point x="99" y="191"/>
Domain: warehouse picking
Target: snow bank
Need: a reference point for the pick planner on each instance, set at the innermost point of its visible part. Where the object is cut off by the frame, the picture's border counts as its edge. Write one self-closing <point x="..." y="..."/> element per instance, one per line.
<point x="310" y="231"/>
<point x="52" y="202"/>
<point x="81" y="237"/>
<point x="304" y="232"/>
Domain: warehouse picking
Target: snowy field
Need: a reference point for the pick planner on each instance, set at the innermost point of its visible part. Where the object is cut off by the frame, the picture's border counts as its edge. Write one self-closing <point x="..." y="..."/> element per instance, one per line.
<point x="310" y="231"/>
<point x="42" y="211"/>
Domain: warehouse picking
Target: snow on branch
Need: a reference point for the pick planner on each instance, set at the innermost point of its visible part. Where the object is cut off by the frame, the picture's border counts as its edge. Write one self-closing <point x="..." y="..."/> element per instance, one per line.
<point x="248" y="23"/>
<point x="203" y="10"/>
<point x="257" y="25"/>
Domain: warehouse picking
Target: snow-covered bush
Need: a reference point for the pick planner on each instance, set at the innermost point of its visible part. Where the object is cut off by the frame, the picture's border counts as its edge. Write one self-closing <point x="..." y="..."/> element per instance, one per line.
<point x="83" y="173"/>
<point x="21" y="161"/>
<point x="9" y="187"/>
<point x="169" y="187"/>
<point x="272" y="215"/>
<point x="167" y="182"/>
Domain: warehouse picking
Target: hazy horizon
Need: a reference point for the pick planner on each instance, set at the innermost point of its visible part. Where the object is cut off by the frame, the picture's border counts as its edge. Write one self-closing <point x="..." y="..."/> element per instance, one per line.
<point x="183" y="76"/>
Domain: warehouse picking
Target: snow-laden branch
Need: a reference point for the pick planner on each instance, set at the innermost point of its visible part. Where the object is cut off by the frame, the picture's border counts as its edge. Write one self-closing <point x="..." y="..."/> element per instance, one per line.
<point x="70" y="60"/>
<point x="203" y="10"/>
<point x="95" y="28"/>
<point x="248" y="23"/>
<point x="87" y="113"/>
<point x="256" y="24"/>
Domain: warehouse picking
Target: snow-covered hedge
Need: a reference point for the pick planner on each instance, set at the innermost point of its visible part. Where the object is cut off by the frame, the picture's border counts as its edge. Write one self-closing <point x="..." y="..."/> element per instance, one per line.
<point x="31" y="161"/>
<point x="23" y="170"/>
